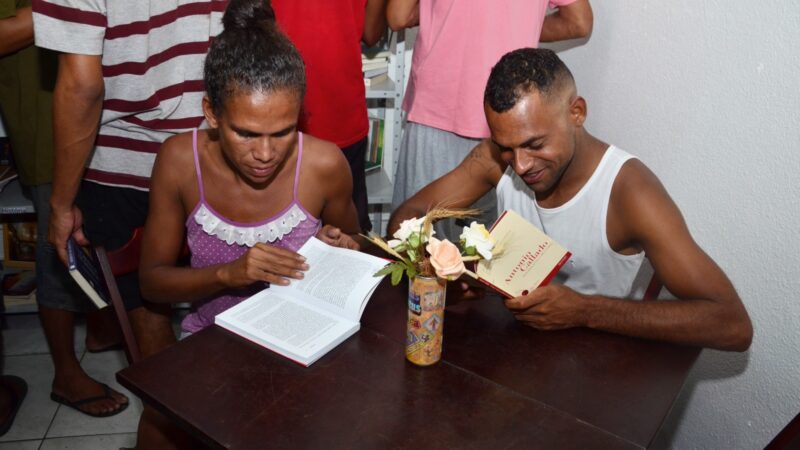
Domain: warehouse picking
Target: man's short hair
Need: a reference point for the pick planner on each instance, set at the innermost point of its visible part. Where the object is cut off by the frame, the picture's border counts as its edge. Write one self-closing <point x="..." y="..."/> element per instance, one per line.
<point x="524" y="70"/>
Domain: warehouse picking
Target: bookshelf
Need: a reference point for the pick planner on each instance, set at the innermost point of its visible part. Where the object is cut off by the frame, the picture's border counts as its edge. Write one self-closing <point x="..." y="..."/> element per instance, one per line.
<point x="384" y="101"/>
<point x="14" y="206"/>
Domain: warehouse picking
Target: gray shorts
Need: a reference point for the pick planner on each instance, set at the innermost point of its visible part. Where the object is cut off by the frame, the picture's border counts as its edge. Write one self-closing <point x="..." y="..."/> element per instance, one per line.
<point x="427" y="153"/>
<point x="55" y="288"/>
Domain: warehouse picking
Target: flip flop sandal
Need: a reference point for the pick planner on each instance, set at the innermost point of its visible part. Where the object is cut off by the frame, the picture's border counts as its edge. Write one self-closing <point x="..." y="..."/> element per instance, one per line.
<point x="117" y="346"/>
<point x="18" y="388"/>
<point x="76" y="405"/>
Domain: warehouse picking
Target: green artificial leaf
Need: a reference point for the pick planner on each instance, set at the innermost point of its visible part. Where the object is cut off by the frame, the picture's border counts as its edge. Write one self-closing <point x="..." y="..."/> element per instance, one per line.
<point x="387" y="269"/>
<point x="413" y="240"/>
<point x="397" y="275"/>
<point x="412" y="254"/>
<point x="471" y="251"/>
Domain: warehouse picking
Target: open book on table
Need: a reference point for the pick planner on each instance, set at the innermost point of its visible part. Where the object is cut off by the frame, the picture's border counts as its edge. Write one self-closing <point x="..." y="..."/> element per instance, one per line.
<point x="309" y="317"/>
<point x="528" y="258"/>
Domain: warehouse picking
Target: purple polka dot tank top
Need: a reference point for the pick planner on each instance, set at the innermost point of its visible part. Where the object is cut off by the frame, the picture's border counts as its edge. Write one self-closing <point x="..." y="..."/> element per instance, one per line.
<point x="214" y="239"/>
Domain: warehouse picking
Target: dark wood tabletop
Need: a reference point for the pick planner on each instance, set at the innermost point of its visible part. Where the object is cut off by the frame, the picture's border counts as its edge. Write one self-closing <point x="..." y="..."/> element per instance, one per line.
<point x="500" y="385"/>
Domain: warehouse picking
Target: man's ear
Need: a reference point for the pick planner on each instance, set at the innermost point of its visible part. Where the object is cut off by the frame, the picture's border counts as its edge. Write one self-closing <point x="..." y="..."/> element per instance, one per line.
<point x="208" y="111"/>
<point x="577" y="111"/>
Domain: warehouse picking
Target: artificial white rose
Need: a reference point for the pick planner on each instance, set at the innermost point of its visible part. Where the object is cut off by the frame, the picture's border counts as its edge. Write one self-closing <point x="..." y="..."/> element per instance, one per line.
<point x="411" y="226"/>
<point x="476" y="235"/>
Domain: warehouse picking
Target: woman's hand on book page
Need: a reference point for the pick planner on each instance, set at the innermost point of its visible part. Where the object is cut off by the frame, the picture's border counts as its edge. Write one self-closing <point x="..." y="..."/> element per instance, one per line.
<point x="552" y="307"/>
<point x="263" y="263"/>
<point x="337" y="238"/>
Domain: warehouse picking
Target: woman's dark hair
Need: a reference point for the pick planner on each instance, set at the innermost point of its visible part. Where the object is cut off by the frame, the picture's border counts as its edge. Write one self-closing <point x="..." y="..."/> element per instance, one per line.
<point x="251" y="54"/>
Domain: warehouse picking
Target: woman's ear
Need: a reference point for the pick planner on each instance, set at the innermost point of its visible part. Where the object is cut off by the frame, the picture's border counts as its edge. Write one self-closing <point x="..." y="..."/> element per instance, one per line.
<point x="208" y="111"/>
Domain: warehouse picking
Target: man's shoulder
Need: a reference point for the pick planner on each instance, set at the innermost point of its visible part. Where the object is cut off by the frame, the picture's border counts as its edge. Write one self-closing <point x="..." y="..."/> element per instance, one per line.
<point x="637" y="189"/>
<point x="633" y="173"/>
<point x="485" y="162"/>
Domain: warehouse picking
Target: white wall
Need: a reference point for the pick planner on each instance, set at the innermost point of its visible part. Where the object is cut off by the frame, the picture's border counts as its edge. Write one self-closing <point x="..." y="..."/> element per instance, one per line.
<point x="707" y="94"/>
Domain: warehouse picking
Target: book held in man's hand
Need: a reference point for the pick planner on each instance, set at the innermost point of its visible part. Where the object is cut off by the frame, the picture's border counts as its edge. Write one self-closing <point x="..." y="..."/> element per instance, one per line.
<point x="528" y="258"/>
<point x="86" y="273"/>
<point x="308" y="318"/>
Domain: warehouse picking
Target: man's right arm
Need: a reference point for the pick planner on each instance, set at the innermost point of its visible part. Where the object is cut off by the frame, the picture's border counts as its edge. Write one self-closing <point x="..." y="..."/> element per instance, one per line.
<point x="402" y="14"/>
<point x="77" y="106"/>
<point x="459" y="188"/>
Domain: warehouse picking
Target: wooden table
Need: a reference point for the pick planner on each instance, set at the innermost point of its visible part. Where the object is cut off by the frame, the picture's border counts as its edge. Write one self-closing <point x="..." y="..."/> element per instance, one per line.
<point x="500" y="385"/>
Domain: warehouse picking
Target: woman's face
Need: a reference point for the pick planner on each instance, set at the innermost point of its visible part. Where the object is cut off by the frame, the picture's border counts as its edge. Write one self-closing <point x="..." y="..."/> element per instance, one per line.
<point x="257" y="131"/>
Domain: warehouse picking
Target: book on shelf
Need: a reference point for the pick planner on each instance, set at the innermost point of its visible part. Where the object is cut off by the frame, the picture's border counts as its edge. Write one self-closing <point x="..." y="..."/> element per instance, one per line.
<point x="375" y="57"/>
<point x="528" y="258"/>
<point x="86" y="272"/>
<point x="371" y="54"/>
<point x="308" y="318"/>
<point x="372" y="81"/>
<point x="378" y="62"/>
<point x="19" y="289"/>
<point x="374" y="156"/>
<point x="375" y="72"/>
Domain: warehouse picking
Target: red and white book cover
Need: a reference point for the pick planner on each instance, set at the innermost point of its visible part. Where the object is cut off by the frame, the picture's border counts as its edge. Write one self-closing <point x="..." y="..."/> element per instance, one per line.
<point x="527" y="257"/>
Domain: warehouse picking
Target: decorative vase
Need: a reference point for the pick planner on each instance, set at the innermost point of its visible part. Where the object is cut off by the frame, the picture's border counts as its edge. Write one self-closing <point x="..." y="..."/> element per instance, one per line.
<point x="426" y="297"/>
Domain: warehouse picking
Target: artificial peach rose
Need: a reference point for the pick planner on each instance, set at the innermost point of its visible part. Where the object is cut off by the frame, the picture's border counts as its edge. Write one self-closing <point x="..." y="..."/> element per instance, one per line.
<point x="445" y="259"/>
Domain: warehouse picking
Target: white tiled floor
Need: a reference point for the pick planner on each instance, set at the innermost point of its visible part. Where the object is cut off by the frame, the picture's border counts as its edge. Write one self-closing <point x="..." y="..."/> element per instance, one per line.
<point x="44" y="424"/>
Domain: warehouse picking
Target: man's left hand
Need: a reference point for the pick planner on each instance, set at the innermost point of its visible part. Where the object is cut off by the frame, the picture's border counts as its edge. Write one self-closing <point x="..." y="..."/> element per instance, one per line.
<point x="552" y="307"/>
<point x="336" y="237"/>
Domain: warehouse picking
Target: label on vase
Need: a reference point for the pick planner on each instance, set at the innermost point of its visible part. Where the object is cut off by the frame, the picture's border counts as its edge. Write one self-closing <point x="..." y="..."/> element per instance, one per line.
<point x="414" y="303"/>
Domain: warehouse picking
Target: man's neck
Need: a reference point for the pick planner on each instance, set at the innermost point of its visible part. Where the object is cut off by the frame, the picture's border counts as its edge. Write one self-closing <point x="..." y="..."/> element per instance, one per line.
<point x="589" y="152"/>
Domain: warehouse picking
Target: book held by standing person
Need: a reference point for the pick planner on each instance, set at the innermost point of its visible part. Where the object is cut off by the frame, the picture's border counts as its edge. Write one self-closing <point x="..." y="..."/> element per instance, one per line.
<point x="86" y="273"/>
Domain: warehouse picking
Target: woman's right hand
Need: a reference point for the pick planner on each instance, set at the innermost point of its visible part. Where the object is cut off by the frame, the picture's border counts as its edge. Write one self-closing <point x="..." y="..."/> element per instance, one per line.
<point x="263" y="263"/>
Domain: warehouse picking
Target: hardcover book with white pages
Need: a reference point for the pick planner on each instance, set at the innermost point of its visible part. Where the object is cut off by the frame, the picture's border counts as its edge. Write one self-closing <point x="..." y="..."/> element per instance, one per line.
<point x="528" y="258"/>
<point x="306" y="319"/>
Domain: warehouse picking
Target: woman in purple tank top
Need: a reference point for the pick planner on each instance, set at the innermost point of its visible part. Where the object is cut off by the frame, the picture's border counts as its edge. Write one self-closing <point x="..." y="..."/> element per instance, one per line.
<point x="250" y="190"/>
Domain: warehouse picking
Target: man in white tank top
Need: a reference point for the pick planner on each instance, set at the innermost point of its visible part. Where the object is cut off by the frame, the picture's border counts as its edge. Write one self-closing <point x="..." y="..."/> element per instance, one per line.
<point x="601" y="203"/>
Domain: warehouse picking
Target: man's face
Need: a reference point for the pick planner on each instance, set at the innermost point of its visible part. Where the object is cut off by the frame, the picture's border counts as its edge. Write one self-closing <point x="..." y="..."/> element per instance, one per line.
<point x="257" y="131"/>
<point x="536" y="137"/>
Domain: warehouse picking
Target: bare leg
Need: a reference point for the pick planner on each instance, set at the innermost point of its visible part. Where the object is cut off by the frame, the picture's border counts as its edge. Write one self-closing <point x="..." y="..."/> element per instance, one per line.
<point x="102" y="331"/>
<point x="70" y="381"/>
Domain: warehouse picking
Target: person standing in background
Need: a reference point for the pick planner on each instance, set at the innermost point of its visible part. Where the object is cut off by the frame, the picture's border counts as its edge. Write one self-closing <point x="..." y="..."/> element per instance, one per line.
<point x="328" y="35"/>
<point x="130" y="75"/>
<point x="458" y="43"/>
<point x="27" y="79"/>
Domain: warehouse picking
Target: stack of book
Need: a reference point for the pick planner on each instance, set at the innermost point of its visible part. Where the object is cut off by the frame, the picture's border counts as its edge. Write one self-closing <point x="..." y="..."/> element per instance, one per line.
<point x="375" y="149"/>
<point x="19" y="290"/>
<point x="375" y="67"/>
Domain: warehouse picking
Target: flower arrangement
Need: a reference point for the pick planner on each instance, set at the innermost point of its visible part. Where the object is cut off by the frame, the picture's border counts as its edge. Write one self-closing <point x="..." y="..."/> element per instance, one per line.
<point x="418" y="252"/>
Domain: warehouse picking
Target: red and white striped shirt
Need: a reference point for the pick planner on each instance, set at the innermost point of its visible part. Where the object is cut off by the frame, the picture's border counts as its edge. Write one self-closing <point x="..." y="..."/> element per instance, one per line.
<point x="152" y="55"/>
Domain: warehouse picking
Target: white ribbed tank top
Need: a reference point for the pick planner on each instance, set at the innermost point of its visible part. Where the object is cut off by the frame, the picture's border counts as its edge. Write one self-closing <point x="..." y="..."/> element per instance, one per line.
<point x="580" y="226"/>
